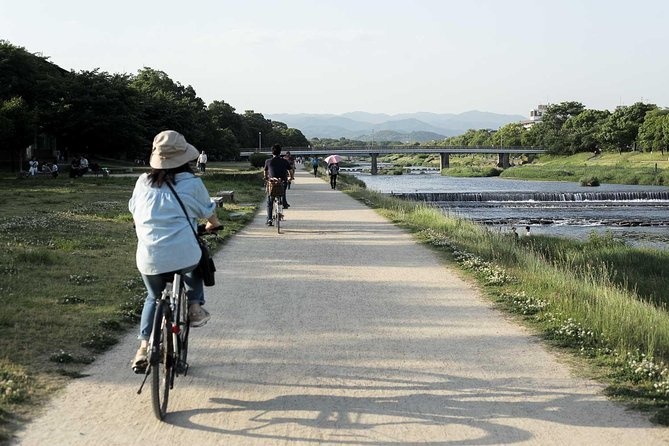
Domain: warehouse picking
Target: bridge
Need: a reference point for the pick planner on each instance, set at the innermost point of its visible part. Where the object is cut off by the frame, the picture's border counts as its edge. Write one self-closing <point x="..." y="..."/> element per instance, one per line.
<point x="374" y="152"/>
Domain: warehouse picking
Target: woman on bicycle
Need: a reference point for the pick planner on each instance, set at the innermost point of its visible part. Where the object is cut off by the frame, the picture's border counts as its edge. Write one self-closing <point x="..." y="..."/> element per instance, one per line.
<point x="165" y="241"/>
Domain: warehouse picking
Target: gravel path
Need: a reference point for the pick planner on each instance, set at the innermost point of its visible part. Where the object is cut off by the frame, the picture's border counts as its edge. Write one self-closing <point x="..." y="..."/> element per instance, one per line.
<point x="344" y="331"/>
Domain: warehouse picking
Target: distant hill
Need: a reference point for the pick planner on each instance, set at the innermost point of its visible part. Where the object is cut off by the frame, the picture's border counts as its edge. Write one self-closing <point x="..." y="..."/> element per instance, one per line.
<point x="406" y="127"/>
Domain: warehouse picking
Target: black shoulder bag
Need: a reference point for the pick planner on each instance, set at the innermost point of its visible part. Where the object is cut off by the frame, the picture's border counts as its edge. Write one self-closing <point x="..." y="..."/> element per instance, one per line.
<point x="206" y="267"/>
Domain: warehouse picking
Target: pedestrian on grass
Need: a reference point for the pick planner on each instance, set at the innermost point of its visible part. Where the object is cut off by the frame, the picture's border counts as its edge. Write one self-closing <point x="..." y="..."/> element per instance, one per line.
<point x="33" y="167"/>
<point x="202" y="162"/>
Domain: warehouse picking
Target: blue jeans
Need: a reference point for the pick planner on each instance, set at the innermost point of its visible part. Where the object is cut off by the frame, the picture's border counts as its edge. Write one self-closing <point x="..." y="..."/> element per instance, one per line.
<point x="155" y="284"/>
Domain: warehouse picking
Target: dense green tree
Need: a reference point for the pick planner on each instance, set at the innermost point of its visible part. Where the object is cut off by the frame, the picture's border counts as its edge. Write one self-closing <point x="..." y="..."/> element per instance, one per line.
<point x="29" y="85"/>
<point x="98" y="116"/>
<point x="620" y="131"/>
<point x="548" y="133"/>
<point x="256" y="130"/>
<point x="17" y="128"/>
<point x="654" y="132"/>
<point x="168" y="105"/>
<point x="582" y="132"/>
<point x="509" y="135"/>
<point x="471" y="138"/>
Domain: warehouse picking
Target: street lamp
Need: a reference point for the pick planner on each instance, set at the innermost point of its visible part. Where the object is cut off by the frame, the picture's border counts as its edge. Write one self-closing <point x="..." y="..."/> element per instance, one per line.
<point x="259" y="141"/>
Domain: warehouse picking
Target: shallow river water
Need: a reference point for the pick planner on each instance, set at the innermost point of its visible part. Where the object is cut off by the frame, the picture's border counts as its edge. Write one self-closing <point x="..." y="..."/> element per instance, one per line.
<point x="637" y="214"/>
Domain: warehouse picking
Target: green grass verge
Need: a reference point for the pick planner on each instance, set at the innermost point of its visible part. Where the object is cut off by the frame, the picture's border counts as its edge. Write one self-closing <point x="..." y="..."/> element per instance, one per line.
<point x="601" y="300"/>
<point x="617" y="168"/>
<point x="68" y="281"/>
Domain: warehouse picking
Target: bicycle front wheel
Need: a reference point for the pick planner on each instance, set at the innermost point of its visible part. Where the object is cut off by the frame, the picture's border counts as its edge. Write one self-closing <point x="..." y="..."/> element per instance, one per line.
<point x="161" y="361"/>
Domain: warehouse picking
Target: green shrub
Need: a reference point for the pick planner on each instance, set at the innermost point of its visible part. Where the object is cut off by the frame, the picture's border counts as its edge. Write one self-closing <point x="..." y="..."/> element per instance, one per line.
<point x="590" y="181"/>
<point x="258" y="159"/>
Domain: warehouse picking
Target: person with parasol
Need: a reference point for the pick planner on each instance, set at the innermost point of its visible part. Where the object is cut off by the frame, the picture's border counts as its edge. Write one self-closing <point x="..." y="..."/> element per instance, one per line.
<point x="333" y="169"/>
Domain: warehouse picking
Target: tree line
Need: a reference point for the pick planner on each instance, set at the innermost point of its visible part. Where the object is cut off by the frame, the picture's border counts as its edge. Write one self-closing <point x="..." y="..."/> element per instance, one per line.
<point x="117" y="115"/>
<point x="568" y="127"/>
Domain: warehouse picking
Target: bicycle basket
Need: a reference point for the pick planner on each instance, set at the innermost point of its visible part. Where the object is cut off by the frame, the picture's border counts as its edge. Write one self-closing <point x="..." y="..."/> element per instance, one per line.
<point x="275" y="189"/>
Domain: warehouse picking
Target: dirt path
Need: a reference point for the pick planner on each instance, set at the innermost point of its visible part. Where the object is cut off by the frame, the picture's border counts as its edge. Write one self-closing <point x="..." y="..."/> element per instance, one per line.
<point x="344" y="331"/>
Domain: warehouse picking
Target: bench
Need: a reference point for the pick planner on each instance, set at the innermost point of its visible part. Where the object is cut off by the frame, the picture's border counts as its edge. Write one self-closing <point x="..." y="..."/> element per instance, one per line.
<point x="223" y="196"/>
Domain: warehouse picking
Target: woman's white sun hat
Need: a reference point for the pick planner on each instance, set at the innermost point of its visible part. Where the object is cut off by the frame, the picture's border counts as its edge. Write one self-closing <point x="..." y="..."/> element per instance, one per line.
<point x="170" y="150"/>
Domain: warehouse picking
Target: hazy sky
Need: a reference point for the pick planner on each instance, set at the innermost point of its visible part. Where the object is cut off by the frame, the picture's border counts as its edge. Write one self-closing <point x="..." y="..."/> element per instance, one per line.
<point x="389" y="56"/>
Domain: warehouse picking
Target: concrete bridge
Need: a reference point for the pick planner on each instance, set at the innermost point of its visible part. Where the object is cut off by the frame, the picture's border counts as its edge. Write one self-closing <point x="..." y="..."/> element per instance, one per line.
<point x="374" y="152"/>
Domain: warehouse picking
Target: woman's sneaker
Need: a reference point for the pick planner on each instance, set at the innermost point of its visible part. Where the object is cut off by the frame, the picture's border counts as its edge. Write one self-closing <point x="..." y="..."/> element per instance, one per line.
<point x="198" y="316"/>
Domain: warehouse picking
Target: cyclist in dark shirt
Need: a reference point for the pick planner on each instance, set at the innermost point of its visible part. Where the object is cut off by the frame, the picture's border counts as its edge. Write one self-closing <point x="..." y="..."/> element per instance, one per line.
<point x="276" y="167"/>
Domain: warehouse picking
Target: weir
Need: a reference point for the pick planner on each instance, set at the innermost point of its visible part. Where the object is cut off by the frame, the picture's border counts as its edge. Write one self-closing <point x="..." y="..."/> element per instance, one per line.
<point x="534" y="196"/>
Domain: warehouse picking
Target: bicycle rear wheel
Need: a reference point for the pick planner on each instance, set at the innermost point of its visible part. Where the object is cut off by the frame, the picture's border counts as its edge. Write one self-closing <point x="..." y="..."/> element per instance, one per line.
<point x="184" y="331"/>
<point x="277" y="213"/>
<point x="161" y="360"/>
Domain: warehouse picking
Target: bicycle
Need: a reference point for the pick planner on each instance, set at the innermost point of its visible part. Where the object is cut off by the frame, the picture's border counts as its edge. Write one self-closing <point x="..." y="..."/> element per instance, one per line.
<point x="275" y="189"/>
<point x="168" y="343"/>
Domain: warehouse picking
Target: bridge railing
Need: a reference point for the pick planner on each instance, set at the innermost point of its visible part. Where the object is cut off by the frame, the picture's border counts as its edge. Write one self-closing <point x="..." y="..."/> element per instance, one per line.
<point x="367" y="150"/>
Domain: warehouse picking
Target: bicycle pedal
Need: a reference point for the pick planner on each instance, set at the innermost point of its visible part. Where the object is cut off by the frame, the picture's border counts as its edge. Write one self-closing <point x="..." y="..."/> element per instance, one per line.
<point x="182" y="368"/>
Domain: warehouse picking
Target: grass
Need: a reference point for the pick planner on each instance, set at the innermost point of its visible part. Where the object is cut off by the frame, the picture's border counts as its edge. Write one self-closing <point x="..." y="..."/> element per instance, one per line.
<point x="600" y="299"/>
<point x="618" y="168"/>
<point x="68" y="282"/>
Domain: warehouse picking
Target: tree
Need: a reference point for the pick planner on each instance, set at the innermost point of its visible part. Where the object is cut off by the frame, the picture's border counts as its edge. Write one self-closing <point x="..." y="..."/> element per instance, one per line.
<point x="256" y="130"/>
<point x="582" y="132"/>
<point x="548" y="132"/>
<point x="509" y="135"/>
<point x="99" y="115"/>
<point x="168" y="105"/>
<point x="653" y="134"/>
<point x="29" y="84"/>
<point x="621" y="129"/>
<point x="16" y="128"/>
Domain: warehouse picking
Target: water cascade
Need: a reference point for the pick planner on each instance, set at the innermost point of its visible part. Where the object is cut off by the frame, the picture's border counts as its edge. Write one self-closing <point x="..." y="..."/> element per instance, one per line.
<point x="534" y="196"/>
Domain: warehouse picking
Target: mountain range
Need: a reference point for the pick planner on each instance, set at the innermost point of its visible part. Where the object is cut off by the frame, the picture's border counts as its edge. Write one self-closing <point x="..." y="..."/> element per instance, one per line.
<point x="405" y="127"/>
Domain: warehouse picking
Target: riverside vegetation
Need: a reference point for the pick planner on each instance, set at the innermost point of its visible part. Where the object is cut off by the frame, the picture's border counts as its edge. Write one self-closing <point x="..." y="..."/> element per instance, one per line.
<point x="68" y="282"/>
<point x="601" y="300"/>
<point x="643" y="168"/>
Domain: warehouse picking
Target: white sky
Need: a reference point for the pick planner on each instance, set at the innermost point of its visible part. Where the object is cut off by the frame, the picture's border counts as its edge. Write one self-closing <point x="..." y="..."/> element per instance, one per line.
<point x="386" y="56"/>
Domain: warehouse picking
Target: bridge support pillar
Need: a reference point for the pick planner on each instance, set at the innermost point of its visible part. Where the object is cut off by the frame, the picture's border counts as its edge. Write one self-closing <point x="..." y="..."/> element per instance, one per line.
<point x="444" y="160"/>
<point x="375" y="164"/>
<point x="503" y="161"/>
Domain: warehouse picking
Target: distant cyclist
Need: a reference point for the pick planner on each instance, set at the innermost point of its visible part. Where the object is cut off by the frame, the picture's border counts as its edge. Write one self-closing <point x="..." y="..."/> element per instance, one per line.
<point x="276" y="167"/>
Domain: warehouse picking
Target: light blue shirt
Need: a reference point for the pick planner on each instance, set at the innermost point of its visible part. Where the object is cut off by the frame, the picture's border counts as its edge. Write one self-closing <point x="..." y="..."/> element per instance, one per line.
<point x="165" y="240"/>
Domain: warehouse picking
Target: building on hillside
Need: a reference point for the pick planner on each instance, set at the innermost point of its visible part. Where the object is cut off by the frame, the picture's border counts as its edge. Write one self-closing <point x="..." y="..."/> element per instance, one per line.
<point x="536" y="115"/>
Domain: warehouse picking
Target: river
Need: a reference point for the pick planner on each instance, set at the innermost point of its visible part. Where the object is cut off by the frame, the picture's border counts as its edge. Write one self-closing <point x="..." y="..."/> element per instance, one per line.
<point x="637" y="214"/>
